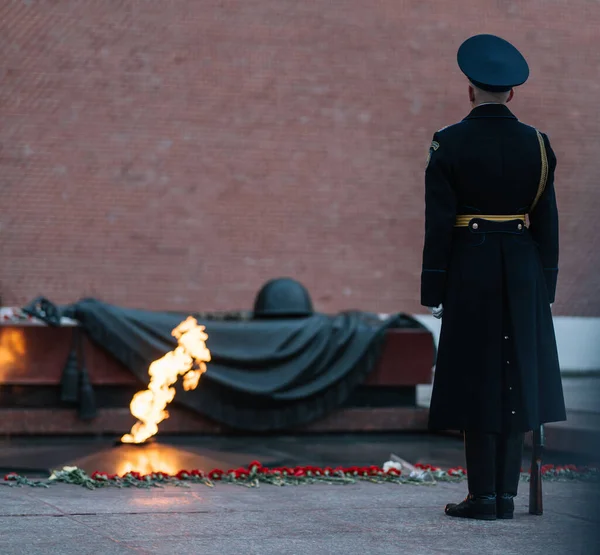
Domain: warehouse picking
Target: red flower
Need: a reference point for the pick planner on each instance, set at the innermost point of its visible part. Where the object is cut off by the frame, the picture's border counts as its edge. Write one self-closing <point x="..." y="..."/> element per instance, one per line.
<point x="216" y="474"/>
<point x="254" y="464"/>
<point x="182" y="475"/>
<point x="241" y="473"/>
<point x="99" y="475"/>
<point x="11" y="476"/>
<point x="300" y="473"/>
<point x="197" y="473"/>
<point x="394" y="471"/>
<point x="112" y="476"/>
<point x="374" y="470"/>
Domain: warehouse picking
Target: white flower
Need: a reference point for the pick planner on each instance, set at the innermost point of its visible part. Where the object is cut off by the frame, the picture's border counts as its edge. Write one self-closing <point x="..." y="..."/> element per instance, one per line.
<point x="391" y="464"/>
<point x="56" y="474"/>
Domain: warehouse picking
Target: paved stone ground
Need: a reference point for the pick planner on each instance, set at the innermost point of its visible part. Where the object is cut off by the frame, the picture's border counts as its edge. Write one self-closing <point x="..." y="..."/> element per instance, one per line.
<point x="360" y="519"/>
<point x="364" y="519"/>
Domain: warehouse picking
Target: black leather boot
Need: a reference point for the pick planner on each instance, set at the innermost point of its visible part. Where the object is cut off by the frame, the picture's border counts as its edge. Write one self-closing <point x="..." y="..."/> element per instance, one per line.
<point x="480" y="504"/>
<point x="508" y="473"/>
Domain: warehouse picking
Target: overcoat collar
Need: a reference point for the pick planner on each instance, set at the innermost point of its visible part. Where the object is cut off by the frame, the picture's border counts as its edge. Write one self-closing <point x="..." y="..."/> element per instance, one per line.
<point x="491" y="111"/>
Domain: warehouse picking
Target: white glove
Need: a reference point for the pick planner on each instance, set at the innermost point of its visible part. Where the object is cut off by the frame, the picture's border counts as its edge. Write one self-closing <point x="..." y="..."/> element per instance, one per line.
<point x="437" y="311"/>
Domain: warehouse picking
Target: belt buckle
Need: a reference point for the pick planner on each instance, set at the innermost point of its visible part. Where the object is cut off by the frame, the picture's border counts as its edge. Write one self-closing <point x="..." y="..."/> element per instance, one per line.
<point x="484" y="225"/>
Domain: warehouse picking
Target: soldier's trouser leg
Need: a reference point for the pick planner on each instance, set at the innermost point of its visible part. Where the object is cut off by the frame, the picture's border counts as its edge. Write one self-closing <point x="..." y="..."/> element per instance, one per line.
<point x="508" y="472"/>
<point x="480" y="452"/>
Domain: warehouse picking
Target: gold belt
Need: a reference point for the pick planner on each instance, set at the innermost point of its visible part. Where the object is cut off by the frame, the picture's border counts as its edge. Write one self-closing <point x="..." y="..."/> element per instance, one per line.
<point x="463" y="220"/>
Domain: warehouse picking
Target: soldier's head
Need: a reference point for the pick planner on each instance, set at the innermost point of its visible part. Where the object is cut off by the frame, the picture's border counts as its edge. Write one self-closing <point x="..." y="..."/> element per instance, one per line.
<point x="493" y="67"/>
<point x="479" y="96"/>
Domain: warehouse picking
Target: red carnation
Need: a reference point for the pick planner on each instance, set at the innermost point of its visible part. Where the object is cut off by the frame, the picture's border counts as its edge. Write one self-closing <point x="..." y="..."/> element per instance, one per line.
<point x="374" y="470"/>
<point x="197" y="473"/>
<point x="183" y="475"/>
<point x="254" y="464"/>
<point x="394" y="471"/>
<point x="216" y="474"/>
<point x="241" y="473"/>
<point x="11" y="476"/>
<point x="300" y="473"/>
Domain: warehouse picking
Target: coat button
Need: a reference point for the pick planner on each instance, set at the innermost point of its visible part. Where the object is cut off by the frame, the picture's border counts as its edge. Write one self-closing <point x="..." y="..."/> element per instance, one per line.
<point x="506" y="337"/>
<point x="510" y="388"/>
<point x="508" y="362"/>
<point x="513" y="412"/>
<point x="475" y="225"/>
<point x="520" y="227"/>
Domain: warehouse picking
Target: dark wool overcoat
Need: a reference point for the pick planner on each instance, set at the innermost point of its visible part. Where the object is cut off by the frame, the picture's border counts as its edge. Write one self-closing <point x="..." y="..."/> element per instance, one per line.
<point x="497" y="368"/>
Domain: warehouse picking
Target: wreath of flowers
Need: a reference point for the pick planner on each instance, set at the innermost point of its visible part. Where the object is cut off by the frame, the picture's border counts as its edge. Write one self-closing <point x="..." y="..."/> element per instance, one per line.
<point x="256" y="474"/>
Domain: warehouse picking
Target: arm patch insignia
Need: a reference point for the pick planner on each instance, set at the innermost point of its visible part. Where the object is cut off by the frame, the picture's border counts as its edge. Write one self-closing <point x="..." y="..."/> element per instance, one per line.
<point x="434" y="146"/>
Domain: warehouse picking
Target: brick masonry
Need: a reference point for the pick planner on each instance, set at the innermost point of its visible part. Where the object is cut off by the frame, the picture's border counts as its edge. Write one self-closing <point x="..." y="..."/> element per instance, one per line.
<point x="174" y="154"/>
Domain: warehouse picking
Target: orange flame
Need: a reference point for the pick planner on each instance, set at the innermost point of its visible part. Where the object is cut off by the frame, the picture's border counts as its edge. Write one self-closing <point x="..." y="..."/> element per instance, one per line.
<point x="189" y="360"/>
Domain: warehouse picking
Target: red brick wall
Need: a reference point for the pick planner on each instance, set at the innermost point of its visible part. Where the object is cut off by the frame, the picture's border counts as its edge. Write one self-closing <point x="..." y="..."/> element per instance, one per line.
<point x="173" y="154"/>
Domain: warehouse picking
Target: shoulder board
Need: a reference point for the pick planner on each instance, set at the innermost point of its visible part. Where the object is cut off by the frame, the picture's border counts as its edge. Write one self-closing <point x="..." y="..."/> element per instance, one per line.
<point x="530" y="126"/>
<point x="448" y="126"/>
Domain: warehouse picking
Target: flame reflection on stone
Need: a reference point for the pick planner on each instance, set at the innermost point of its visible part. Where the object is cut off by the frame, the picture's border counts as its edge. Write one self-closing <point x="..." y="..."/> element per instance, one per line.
<point x="12" y="350"/>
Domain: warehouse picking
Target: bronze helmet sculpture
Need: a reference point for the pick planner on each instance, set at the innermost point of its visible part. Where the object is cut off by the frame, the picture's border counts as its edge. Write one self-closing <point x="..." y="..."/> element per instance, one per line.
<point x="283" y="298"/>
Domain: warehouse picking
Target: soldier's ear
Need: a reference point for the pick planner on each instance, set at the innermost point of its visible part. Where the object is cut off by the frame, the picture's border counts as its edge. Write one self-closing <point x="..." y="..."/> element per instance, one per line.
<point x="471" y="94"/>
<point x="510" y="95"/>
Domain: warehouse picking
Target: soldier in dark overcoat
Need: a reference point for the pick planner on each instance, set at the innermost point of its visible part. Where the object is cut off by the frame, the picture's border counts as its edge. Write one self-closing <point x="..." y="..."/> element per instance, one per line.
<point x="490" y="264"/>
